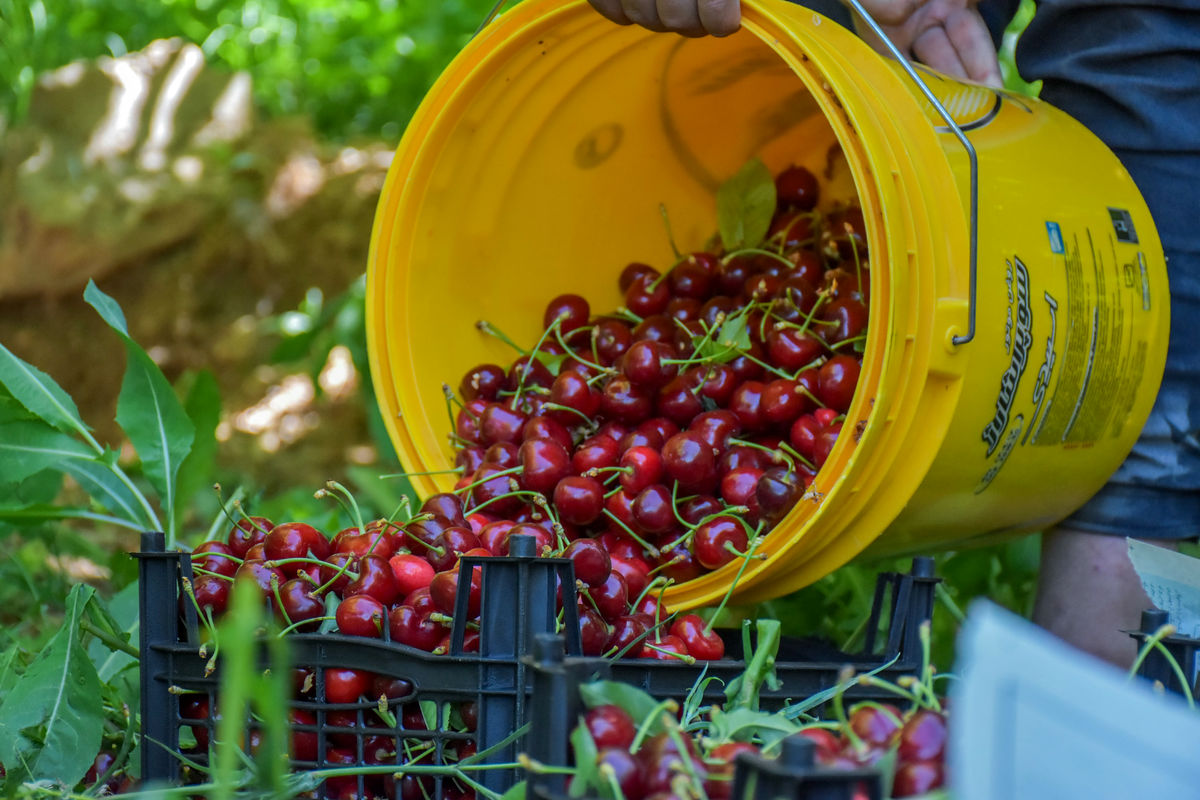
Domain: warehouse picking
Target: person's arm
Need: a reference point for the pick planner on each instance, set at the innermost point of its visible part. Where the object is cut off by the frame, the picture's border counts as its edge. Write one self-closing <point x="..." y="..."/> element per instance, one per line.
<point x="947" y="35"/>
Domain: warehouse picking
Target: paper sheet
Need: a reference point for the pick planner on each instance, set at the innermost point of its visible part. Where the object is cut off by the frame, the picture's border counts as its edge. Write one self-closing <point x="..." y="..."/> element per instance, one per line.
<point x="1172" y="580"/>
<point x="1032" y="719"/>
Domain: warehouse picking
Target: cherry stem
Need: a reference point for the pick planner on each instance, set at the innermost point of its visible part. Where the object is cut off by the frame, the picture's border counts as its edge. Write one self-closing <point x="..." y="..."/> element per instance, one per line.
<point x="211" y="574"/>
<point x="675" y="510"/>
<point x="346" y="500"/>
<point x="769" y="368"/>
<point x="405" y="506"/>
<point x="610" y="776"/>
<point x="533" y="356"/>
<point x="571" y="352"/>
<point x="851" y="341"/>
<point x="652" y="719"/>
<point x="296" y="625"/>
<point x="651" y="549"/>
<point x="757" y="251"/>
<point x="776" y="455"/>
<point x="455" y="471"/>
<point x="575" y="411"/>
<point x="510" y="471"/>
<point x="491" y="330"/>
<point x="623" y="313"/>
<point x="754" y="543"/>
<point x="787" y="448"/>
<point x="662" y="209"/>
<point x="441" y="551"/>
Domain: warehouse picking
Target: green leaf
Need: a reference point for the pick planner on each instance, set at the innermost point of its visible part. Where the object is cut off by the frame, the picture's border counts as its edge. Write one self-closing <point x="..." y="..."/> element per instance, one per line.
<point x="203" y="407"/>
<point x="587" y="776"/>
<point x="744" y="725"/>
<point x="742" y="691"/>
<point x="552" y="362"/>
<point x="147" y="408"/>
<point x="38" y="393"/>
<point x="9" y="663"/>
<point x="51" y="721"/>
<point x="27" y="448"/>
<point x="630" y="699"/>
<point x="730" y="341"/>
<point x="122" y="614"/>
<point x="745" y="206"/>
<point x="104" y="486"/>
<point x="515" y="792"/>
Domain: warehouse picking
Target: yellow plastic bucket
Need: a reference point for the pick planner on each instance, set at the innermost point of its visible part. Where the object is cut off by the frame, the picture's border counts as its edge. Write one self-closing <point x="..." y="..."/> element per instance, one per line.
<point x="536" y="166"/>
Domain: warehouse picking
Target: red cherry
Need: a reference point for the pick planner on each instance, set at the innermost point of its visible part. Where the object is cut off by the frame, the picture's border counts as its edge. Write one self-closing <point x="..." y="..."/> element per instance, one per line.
<point x="644" y="298"/>
<point x="635" y="571"/>
<point x="721" y="788"/>
<point x="346" y="685"/>
<point x="837" y="381"/>
<point x="716" y="427"/>
<point x="747" y="404"/>
<point x="360" y="615"/>
<point x="738" y="487"/>
<point x="592" y="562"/>
<point x="875" y="724"/>
<point x="668" y="648"/>
<point x="688" y="458"/>
<point x="543" y="426"/>
<point x="803" y="435"/>
<point x="611" y="597"/>
<point x="579" y="501"/>
<point x="469" y="419"/>
<point x="294" y="540"/>
<point x="484" y="381"/>
<point x="610" y="339"/>
<point x="500" y="423"/>
<point x="918" y="777"/>
<point x="544" y="463"/>
<point x="595" y="453"/>
<point x="634" y="271"/>
<point x="701" y="643"/>
<point x="777" y="491"/>
<point x="453" y="542"/>
<point x="375" y="578"/>
<point x="414" y="628"/>
<point x="627" y="634"/>
<point x="572" y="390"/>
<point x="216" y="557"/>
<point x="610" y="726"/>
<point x="796" y="187"/>
<point x="653" y="509"/>
<point x="261" y="575"/>
<point x="248" y="532"/>
<point x="299" y="605"/>
<point x="645" y="363"/>
<point x="623" y="400"/>
<point x="678" y="401"/>
<point x="593" y="632"/>
<point x="626" y="770"/>
<point x="823" y="446"/>
<point x="411" y="572"/>
<point x="570" y="310"/>
<point x="783" y="401"/>
<point x="922" y="737"/>
<point x="790" y="349"/>
<point x="710" y="539"/>
<point x="643" y="466"/>
<point x="826" y="741"/>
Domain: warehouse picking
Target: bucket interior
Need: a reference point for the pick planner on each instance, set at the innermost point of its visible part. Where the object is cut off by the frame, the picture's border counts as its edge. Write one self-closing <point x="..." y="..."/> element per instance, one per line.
<point x="543" y="172"/>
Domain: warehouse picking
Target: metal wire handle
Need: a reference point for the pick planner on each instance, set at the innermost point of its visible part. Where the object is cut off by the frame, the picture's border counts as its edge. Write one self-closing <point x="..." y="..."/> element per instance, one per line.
<point x="963" y="140"/>
<point x="942" y="112"/>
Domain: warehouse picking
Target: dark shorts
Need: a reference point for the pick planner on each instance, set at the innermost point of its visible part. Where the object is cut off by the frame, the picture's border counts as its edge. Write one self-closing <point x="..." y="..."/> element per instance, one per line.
<point x="1156" y="492"/>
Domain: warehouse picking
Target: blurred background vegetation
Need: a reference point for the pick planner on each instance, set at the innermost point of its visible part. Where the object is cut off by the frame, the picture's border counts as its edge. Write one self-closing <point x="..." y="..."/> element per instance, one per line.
<point x="262" y="287"/>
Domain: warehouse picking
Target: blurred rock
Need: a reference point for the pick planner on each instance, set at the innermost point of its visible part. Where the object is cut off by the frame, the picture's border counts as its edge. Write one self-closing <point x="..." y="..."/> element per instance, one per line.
<point x="151" y="174"/>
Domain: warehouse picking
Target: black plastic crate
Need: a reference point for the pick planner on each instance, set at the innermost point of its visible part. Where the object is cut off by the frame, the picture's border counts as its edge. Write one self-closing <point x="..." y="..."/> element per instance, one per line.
<point x="500" y="683"/>
<point x="794" y="775"/>
<point x="1184" y="649"/>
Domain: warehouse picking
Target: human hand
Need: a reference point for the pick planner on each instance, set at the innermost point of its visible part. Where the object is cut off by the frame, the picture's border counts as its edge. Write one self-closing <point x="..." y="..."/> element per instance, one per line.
<point x="947" y="35"/>
<point x="685" y="17"/>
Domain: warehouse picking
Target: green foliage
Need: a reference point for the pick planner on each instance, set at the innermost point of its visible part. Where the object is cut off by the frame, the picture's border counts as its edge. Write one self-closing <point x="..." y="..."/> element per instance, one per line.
<point x="51" y="719"/>
<point x="745" y="205"/>
<point x="352" y="66"/>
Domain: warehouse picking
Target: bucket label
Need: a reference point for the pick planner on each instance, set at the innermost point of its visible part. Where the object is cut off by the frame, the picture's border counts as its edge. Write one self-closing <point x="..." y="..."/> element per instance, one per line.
<point x="1087" y="355"/>
<point x="1021" y="338"/>
<point x="1055" y="234"/>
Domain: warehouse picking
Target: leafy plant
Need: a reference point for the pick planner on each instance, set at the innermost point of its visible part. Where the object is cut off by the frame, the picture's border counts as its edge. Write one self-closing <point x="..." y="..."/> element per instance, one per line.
<point x="41" y="431"/>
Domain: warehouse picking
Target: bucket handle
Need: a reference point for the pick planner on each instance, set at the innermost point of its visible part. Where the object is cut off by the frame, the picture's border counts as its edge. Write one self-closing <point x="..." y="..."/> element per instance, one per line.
<point x="963" y="140"/>
<point x="942" y="112"/>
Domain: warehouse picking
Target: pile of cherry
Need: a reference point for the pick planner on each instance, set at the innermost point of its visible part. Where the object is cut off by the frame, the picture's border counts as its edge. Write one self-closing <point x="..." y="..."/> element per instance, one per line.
<point x="656" y="768"/>
<point x="677" y="430"/>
